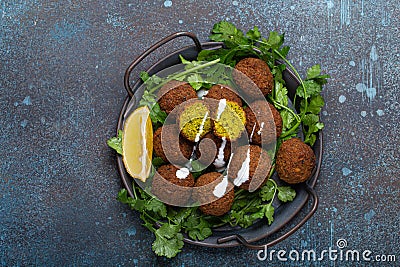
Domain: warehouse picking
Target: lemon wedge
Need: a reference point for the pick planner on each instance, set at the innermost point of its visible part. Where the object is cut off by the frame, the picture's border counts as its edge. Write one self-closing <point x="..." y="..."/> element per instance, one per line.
<point x="137" y="143"/>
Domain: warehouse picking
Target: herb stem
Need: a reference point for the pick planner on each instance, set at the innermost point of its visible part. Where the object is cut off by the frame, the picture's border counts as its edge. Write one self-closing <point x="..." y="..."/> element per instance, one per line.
<point x="298" y="76"/>
<point x="183" y="73"/>
<point x="298" y="119"/>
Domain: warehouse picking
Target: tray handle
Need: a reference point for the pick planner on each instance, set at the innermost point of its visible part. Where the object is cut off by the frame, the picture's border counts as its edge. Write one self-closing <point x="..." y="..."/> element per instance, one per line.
<point x="311" y="192"/>
<point x="151" y="49"/>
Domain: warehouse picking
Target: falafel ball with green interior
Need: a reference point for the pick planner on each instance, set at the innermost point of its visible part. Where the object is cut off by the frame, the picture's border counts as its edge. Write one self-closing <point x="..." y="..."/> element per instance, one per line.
<point x="229" y="119"/>
<point x="194" y="120"/>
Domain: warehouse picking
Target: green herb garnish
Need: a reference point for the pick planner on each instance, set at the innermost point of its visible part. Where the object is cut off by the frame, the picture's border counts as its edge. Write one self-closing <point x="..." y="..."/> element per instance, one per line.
<point x="116" y="142"/>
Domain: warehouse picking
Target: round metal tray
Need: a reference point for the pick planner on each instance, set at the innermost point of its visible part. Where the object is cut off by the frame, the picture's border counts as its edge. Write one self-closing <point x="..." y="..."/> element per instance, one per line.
<point x="227" y="236"/>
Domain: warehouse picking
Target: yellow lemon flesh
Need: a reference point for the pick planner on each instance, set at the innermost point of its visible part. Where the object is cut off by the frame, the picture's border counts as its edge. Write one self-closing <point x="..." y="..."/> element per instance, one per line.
<point x="137" y="144"/>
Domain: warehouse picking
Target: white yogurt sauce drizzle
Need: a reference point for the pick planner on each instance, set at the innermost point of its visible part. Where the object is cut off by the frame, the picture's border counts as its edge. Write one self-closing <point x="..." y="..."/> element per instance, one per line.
<point x="261" y="127"/>
<point x="220" y="189"/>
<point x="221" y="107"/>
<point x="219" y="161"/>
<point x="244" y="172"/>
<point x="252" y="132"/>
<point x="202" y="93"/>
<point x="182" y="173"/>
<point x="201" y="129"/>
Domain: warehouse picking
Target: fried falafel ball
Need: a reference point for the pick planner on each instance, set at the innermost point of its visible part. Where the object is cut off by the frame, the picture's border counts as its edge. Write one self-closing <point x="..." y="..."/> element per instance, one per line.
<point x="194" y="120"/>
<point x="174" y="93"/>
<point x="261" y="128"/>
<point x="249" y="167"/>
<point x="172" y="185"/>
<point x="171" y="146"/>
<point x="218" y="185"/>
<point x="295" y="161"/>
<point x="259" y="72"/>
<point x="219" y="92"/>
<point x="229" y="119"/>
<point x="216" y="150"/>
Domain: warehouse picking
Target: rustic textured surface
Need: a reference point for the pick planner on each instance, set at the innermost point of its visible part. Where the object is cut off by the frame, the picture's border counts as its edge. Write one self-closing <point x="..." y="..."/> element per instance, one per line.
<point x="61" y="90"/>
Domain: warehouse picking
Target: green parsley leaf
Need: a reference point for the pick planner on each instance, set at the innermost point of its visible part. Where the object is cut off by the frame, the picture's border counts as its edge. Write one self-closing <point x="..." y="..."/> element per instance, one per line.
<point x="269" y="211"/>
<point x="315" y="104"/>
<point x="157" y="162"/>
<point x="144" y="76"/>
<point x="275" y="40"/>
<point x="123" y="196"/>
<point x="313" y="72"/>
<point x="267" y="192"/>
<point x="157" y="206"/>
<point x="157" y="115"/>
<point x="281" y="94"/>
<point x="286" y="193"/>
<point x="178" y="216"/>
<point x="197" y="228"/>
<point x="196" y="81"/>
<point x="310" y="120"/>
<point x="227" y="32"/>
<point x="312" y="88"/>
<point x="169" y="241"/>
<point x="116" y="142"/>
<point x="254" y="34"/>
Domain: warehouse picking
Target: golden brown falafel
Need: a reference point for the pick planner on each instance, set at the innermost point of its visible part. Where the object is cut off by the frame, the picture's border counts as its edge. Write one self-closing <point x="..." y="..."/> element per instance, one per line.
<point x="174" y="93"/>
<point x="172" y="185"/>
<point x="260" y="127"/>
<point x="249" y="167"/>
<point x="258" y="71"/>
<point x="295" y="161"/>
<point x="216" y="150"/>
<point x="170" y="146"/>
<point x="219" y="92"/>
<point x="224" y="195"/>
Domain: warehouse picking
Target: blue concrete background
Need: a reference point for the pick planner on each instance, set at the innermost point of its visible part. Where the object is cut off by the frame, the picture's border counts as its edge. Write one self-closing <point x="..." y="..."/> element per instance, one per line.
<point x="61" y="90"/>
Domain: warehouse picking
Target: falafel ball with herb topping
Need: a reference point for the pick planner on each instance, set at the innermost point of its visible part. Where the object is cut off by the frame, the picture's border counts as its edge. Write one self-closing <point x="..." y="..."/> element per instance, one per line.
<point x="218" y="92"/>
<point x="264" y="122"/>
<point x="170" y="146"/>
<point x="229" y="119"/>
<point x="259" y="72"/>
<point x="174" y="93"/>
<point x="249" y="167"/>
<point x="215" y="186"/>
<point x="173" y="185"/>
<point x="215" y="150"/>
<point x="295" y="161"/>
<point x="194" y="120"/>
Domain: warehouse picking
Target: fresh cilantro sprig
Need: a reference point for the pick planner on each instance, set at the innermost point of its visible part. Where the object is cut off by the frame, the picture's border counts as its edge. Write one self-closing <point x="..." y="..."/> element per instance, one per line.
<point x="116" y="142"/>
<point x="311" y="102"/>
<point x="249" y="207"/>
